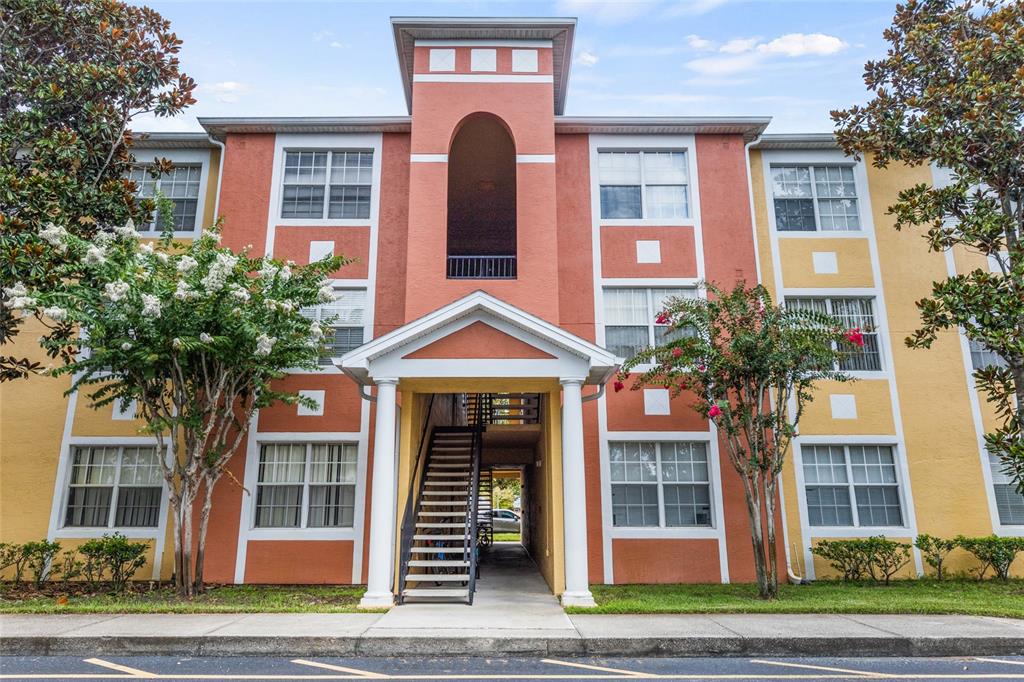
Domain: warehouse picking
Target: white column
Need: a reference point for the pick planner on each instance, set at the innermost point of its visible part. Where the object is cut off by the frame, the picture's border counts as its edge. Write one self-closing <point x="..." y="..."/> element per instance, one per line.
<point x="379" y="580"/>
<point x="574" y="496"/>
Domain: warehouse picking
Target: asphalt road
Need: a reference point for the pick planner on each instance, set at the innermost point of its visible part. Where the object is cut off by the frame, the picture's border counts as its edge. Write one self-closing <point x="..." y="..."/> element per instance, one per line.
<point x="526" y="669"/>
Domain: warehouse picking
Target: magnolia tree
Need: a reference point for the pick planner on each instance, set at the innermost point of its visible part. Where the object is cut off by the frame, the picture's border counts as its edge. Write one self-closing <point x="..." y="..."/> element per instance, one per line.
<point x="752" y="367"/>
<point x="195" y="335"/>
<point x="950" y="91"/>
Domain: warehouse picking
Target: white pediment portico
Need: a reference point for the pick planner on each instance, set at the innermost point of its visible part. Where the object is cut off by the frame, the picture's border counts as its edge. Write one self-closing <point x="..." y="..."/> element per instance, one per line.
<point x="479" y="336"/>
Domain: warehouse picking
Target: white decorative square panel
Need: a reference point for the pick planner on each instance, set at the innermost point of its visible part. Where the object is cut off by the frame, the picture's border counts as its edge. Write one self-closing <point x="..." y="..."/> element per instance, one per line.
<point x="825" y="262"/>
<point x="656" y="402"/>
<point x="123" y="412"/>
<point x="442" y="60"/>
<point x="320" y="250"/>
<point x="844" y="406"/>
<point x="648" y="251"/>
<point x="524" y="61"/>
<point x="483" y="60"/>
<point x="318" y="396"/>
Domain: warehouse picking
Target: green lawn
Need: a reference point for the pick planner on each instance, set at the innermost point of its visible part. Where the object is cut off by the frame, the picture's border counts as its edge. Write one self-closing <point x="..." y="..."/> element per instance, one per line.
<point x="990" y="598"/>
<point x="507" y="537"/>
<point x="222" y="599"/>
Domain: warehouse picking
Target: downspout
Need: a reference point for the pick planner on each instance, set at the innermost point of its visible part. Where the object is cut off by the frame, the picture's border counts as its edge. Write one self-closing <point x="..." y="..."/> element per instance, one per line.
<point x="793" y="577"/>
<point x="220" y="174"/>
<point x="595" y="396"/>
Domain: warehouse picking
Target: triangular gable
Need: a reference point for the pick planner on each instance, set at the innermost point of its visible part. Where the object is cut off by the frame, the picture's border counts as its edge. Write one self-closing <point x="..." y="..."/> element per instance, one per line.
<point x="479" y="340"/>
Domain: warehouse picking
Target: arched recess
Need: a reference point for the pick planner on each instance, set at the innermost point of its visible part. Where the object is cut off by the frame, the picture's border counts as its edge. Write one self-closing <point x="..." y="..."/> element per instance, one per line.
<point x="482" y="200"/>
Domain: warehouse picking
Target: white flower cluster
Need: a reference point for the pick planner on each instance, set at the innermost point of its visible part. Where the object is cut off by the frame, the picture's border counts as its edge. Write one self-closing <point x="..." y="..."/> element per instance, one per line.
<point x="18" y="298"/>
<point x="239" y="292"/>
<point x="54" y="235"/>
<point x="127" y="231"/>
<point x="185" y="293"/>
<point x="220" y="269"/>
<point x="211" y="234"/>
<point x="151" y="306"/>
<point x="327" y="294"/>
<point x="187" y="264"/>
<point x="96" y="255"/>
<point x="56" y="314"/>
<point x="264" y="344"/>
<point x="115" y="291"/>
<point x="175" y="343"/>
<point x="205" y="338"/>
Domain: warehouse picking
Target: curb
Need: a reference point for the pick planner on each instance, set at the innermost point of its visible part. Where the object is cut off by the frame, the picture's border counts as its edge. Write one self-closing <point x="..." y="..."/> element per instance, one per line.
<point x="378" y="646"/>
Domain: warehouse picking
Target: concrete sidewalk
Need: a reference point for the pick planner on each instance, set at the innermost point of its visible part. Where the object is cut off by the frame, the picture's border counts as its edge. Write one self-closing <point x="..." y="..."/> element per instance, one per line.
<point x="406" y="633"/>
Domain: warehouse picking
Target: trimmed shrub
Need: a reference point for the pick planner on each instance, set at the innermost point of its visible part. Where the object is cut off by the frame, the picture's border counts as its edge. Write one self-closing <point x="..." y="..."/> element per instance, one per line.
<point x="845" y="556"/>
<point x="993" y="551"/>
<point x="876" y="557"/>
<point x="38" y="556"/>
<point x="935" y="551"/>
<point x="10" y="553"/>
<point x="885" y="557"/>
<point x="112" y="555"/>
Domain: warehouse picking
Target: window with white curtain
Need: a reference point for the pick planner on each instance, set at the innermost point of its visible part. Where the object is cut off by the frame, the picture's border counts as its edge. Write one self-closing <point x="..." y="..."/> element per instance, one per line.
<point x="180" y="185"/>
<point x="660" y="485"/>
<point x="306" y="485"/>
<point x="810" y="198"/>
<point x="114" y="486"/>
<point x="982" y="356"/>
<point x="327" y="184"/>
<point x="853" y="313"/>
<point x="346" y="316"/>
<point x="851" y="485"/>
<point x="1009" y="502"/>
<point x="629" y="318"/>
<point x="644" y="184"/>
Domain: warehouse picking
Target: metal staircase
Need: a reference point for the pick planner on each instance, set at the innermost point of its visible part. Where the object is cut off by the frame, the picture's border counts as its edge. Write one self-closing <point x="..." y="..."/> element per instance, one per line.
<point x="484" y="508"/>
<point x="439" y="538"/>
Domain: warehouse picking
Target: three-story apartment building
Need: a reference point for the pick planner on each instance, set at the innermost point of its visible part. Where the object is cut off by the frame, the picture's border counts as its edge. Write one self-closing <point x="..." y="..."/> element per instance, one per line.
<point x="508" y="256"/>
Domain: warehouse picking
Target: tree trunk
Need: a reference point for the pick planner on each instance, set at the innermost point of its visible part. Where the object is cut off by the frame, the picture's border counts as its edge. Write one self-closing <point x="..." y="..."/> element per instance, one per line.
<point x="204" y="522"/>
<point x="770" y="487"/>
<point x="751" y="491"/>
<point x="175" y="504"/>
<point x="186" y="550"/>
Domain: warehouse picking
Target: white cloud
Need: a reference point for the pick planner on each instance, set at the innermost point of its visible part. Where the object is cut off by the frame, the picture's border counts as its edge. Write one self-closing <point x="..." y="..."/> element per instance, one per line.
<point x="336" y="45"/>
<point x="226" y="91"/>
<point x="321" y="35"/>
<point x="724" y="66"/>
<point x="800" y="44"/>
<point x="739" y="45"/>
<point x="695" y="42"/>
<point x="586" y="58"/>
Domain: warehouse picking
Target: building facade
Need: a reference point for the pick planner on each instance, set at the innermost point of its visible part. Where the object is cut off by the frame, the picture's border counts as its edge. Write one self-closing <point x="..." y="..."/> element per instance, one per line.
<point x="506" y="251"/>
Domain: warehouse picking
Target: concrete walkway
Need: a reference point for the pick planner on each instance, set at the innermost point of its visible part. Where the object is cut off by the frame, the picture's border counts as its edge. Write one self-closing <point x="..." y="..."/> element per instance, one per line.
<point x="514" y="613"/>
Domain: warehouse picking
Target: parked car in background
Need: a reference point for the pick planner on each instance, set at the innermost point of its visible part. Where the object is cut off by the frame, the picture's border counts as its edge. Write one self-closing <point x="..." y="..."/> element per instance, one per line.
<point x="506" y="521"/>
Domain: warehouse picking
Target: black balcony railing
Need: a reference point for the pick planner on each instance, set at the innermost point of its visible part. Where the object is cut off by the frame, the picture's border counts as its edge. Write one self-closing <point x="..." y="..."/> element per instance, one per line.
<point x="481" y="267"/>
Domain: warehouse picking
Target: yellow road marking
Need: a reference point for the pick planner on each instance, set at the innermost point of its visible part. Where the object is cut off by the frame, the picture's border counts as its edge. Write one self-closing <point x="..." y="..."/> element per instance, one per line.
<point x="338" y="668"/>
<point x="999" y="660"/>
<point x="134" y="672"/>
<point x="617" y="671"/>
<point x="807" y="666"/>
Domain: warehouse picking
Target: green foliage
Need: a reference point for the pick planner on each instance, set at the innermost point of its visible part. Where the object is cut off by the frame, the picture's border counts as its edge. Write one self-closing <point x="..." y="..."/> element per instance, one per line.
<point x="751" y="367"/>
<point x="39" y="557"/>
<point x="993" y="551"/>
<point x="506" y="491"/>
<point x="950" y="91"/>
<point x="115" y="556"/>
<point x="69" y="566"/>
<point x="10" y="556"/>
<point x="935" y="551"/>
<point x="75" y="73"/>
<point x="876" y="557"/>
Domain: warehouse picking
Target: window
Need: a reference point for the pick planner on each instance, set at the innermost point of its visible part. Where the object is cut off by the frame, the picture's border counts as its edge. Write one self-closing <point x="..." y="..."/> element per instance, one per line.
<point x="180" y="185"/>
<point x="629" y="314"/>
<point x="983" y="356"/>
<point x="853" y="313"/>
<point x="114" y="487"/>
<point x="809" y="198"/>
<point x="660" y="485"/>
<point x="638" y="185"/>
<point x="1009" y="503"/>
<point x="345" y="315"/>
<point x="306" y="485"/>
<point x="337" y="182"/>
<point x="835" y="475"/>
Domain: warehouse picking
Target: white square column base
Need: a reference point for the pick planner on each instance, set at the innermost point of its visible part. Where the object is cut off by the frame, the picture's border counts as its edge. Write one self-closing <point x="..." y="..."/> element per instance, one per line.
<point x="583" y="599"/>
<point x="384" y="600"/>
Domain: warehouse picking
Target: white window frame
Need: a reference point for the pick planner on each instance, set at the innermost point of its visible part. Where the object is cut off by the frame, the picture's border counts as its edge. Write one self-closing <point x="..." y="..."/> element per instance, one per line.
<point x="661" y="530"/>
<point x="279" y="185"/>
<point x="811" y="167"/>
<point x="284" y="532"/>
<point x="644" y="219"/>
<point x="651" y="325"/>
<point x="882" y="370"/>
<point x="854" y="531"/>
<point x="367" y="305"/>
<point x="59" y="512"/>
<point x="182" y="157"/>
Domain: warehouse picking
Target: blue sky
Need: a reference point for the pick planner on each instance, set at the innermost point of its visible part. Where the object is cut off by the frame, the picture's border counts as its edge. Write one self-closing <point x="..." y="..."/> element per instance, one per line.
<point x="793" y="60"/>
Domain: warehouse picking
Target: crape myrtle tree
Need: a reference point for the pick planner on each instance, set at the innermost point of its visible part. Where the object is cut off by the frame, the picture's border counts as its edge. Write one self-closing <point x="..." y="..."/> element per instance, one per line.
<point x="194" y="335"/>
<point x="950" y="91"/>
<point x="751" y="366"/>
<point x="74" y="74"/>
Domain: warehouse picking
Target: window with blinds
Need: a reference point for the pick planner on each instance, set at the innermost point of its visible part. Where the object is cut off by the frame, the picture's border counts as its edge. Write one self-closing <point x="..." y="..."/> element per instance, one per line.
<point x="114" y="487"/>
<point x="853" y="313"/>
<point x="180" y="185"/>
<point x="346" y="317"/>
<point x="629" y="318"/>
<point x="660" y="485"/>
<point x="306" y="485"/>
<point x="644" y="184"/>
<point x="1009" y="502"/>
<point x="327" y="184"/>
<point x="815" y="198"/>
<point x="851" y="485"/>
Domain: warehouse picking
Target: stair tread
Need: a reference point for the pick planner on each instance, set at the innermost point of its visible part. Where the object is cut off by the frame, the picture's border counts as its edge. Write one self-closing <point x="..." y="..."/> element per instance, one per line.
<point x="436" y="514"/>
<point x="440" y="525"/>
<point x="437" y="577"/>
<point x="434" y="550"/>
<point x="437" y="592"/>
<point x="437" y="562"/>
<point x="449" y="503"/>
<point x="439" y="538"/>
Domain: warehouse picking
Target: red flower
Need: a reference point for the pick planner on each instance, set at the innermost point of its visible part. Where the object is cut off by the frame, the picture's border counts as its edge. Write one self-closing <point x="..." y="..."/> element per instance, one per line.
<point x="618" y="386"/>
<point x="701" y="368"/>
<point x="714" y="411"/>
<point x="855" y="337"/>
<point x="662" y="318"/>
<point x="676" y="352"/>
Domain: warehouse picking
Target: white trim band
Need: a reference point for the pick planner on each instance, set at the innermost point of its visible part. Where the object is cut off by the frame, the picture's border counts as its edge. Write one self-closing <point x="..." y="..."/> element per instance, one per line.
<point x="428" y="158"/>
<point x="535" y="158"/>
<point x="483" y="43"/>
<point x="480" y="78"/>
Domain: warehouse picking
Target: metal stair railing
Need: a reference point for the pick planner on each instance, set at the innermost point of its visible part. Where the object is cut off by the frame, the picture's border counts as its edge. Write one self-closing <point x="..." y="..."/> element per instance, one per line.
<point x="412" y="503"/>
<point x="469" y="545"/>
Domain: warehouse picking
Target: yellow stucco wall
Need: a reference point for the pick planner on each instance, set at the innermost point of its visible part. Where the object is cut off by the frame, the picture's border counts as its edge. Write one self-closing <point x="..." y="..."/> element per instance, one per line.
<point x="853" y="263"/>
<point x="874" y="409"/>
